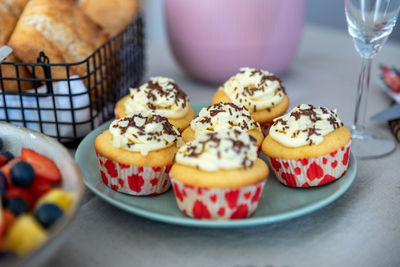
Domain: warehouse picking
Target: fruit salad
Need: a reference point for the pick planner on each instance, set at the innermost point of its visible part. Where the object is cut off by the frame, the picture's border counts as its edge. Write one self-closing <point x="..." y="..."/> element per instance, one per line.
<point x="31" y="200"/>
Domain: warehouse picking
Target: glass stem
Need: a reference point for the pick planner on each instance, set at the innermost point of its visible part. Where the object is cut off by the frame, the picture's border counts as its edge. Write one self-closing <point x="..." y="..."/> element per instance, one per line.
<point x="362" y="94"/>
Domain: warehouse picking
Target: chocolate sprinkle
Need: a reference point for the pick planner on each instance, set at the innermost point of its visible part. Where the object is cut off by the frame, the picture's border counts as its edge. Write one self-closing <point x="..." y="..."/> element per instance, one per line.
<point x="167" y="128"/>
<point x="213" y="140"/>
<point x="309" y="112"/>
<point x="261" y="85"/>
<point x="172" y="91"/>
<point x="218" y="108"/>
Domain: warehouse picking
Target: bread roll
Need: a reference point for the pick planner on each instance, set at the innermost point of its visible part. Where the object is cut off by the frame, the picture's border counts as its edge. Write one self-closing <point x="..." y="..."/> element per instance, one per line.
<point x="9" y="14"/>
<point x="8" y="71"/>
<point x="10" y="10"/>
<point x="60" y="29"/>
<point x="7" y="23"/>
<point x="112" y="15"/>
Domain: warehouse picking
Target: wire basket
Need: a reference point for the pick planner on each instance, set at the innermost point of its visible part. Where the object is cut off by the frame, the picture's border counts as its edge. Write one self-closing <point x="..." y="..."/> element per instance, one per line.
<point x="66" y="106"/>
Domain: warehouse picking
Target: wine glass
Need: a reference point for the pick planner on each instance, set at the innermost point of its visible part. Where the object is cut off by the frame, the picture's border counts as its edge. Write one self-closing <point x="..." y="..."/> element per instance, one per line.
<point x="370" y="23"/>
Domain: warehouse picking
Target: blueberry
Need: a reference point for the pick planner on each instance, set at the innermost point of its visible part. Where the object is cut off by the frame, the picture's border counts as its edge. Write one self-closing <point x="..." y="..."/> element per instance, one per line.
<point x="7" y="255"/>
<point x="3" y="185"/>
<point x="9" y="156"/>
<point x="22" y="174"/>
<point x="48" y="214"/>
<point x="17" y="205"/>
<point x="2" y="191"/>
<point x="3" y="179"/>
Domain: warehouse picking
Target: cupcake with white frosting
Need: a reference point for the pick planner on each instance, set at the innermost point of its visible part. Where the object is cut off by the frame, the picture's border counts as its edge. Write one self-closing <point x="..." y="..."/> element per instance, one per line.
<point x="219" y="176"/>
<point x="309" y="146"/>
<point x="223" y="116"/>
<point x="161" y="95"/>
<point x="259" y="91"/>
<point x="136" y="153"/>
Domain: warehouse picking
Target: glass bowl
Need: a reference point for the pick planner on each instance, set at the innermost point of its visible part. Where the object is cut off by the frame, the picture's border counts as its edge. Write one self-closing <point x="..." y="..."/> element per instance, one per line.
<point x="14" y="138"/>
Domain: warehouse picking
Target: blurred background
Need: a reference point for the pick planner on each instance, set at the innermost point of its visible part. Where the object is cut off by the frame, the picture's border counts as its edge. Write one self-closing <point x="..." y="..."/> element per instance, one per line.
<point x="324" y="13"/>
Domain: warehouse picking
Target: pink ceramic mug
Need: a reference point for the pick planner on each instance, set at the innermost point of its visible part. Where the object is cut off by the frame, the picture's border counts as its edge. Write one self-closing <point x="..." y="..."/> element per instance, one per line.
<point x="213" y="39"/>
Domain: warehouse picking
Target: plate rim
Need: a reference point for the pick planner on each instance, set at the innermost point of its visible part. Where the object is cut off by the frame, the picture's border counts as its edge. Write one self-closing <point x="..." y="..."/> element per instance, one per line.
<point x="187" y="221"/>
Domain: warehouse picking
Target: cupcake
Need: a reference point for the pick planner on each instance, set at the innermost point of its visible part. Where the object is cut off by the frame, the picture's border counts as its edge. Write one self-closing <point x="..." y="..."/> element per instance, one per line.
<point x="222" y="116"/>
<point x="136" y="153"/>
<point x="309" y="146"/>
<point x="259" y="91"/>
<point x="161" y="95"/>
<point x="219" y="176"/>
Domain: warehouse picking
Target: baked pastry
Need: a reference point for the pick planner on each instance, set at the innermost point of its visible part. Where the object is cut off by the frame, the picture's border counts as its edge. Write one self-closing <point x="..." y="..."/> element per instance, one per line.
<point x="222" y="116"/>
<point x="219" y="176"/>
<point x="136" y="153"/>
<point x="7" y="22"/>
<point x="60" y="29"/>
<point x="113" y="16"/>
<point x="163" y="96"/>
<point x="10" y="11"/>
<point x="259" y="91"/>
<point x="309" y="146"/>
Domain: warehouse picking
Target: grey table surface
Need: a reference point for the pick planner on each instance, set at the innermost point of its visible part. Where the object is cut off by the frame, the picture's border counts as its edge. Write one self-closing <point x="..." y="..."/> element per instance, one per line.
<point x="361" y="228"/>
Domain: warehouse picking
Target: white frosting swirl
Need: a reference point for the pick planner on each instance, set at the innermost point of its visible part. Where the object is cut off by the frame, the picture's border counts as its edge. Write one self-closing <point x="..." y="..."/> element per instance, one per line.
<point x="225" y="149"/>
<point x="254" y="89"/>
<point x="161" y="95"/>
<point x="143" y="132"/>
<point x="304" y="125"/>
<point x="222" y="116"/>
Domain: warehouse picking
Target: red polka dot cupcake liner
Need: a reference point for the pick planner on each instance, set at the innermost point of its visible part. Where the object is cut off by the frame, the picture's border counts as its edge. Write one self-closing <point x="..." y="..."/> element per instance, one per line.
<point x="265" y="127"/>
<point x="313" y="171"/>
<point x="134" y="180"/>
<point x="217" y="203"/>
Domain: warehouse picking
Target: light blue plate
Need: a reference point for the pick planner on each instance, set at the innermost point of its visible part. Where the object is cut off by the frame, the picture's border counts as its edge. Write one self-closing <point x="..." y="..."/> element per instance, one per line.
<point x="277" y="202"/>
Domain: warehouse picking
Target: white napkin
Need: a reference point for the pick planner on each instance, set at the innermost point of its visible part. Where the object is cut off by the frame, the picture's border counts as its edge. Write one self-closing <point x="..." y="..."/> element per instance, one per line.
<point x="78" y="101"/>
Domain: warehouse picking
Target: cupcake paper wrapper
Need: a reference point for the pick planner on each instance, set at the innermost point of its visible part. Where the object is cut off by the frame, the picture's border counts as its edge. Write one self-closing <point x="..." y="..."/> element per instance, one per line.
<point x="134" y="180"/>
<point x="265" y="127"/>
<point x="313" y="171"/>
<point x="217" y="203"/>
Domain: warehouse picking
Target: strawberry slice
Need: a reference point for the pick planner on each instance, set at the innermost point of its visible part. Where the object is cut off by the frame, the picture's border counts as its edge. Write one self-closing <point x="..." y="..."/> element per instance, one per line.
<point x="39" y="188"/>
<point x="45" y="169"/>
<point x="392" y="78"/>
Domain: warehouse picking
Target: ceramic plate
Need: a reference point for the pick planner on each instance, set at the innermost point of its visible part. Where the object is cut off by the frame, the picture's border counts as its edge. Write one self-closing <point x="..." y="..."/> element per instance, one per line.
<point x="277" y="202"/>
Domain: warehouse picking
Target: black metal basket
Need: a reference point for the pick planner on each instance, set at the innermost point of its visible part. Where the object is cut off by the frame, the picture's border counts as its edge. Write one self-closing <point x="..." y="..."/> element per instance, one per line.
<point x="69" y="107"/>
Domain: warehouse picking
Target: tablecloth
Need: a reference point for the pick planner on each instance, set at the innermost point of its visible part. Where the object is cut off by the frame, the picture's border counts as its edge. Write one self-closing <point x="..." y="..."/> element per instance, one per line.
<point x="361" y="228"/>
